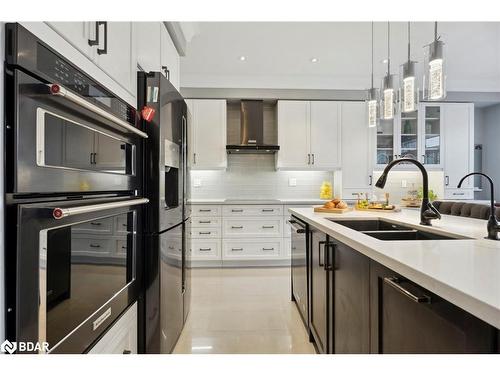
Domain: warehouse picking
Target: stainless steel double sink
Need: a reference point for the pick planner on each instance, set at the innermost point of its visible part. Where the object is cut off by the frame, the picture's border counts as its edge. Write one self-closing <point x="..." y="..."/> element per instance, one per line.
<point x="388" y="231"/>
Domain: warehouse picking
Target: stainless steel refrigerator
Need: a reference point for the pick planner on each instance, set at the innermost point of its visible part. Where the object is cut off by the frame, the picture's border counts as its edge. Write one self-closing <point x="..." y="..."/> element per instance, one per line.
<point x="166" y="297"/>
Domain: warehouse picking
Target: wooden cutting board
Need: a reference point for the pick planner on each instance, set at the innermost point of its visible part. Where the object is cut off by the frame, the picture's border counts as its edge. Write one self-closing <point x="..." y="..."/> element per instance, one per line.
<point x="332" y="210"/>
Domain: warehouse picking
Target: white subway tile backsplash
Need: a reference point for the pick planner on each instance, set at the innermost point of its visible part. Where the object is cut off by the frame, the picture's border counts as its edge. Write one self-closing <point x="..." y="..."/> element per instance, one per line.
<point x="254" y="176"/>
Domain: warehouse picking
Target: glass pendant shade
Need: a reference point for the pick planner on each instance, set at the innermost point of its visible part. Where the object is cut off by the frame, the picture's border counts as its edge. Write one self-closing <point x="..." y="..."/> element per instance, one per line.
<point x="388" y="97"/>
<point x="372" y="107"/>
<point x="434" y="74"/>
<point x="408" y="90"/>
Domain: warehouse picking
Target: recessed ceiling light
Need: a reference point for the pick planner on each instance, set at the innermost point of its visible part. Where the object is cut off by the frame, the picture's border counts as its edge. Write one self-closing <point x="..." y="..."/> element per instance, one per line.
<point x="314" y="60"/>
<point x="243" y="58"/>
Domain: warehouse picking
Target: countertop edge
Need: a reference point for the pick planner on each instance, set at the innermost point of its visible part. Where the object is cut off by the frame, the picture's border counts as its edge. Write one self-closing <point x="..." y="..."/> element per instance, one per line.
<point x="484" y="311"/>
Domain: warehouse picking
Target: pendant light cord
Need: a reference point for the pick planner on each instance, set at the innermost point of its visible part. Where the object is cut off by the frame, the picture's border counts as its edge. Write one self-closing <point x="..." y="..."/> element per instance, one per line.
<point x="372" y="54"/>
<point x="388" y="48"/>
<point x="409" y="35"/>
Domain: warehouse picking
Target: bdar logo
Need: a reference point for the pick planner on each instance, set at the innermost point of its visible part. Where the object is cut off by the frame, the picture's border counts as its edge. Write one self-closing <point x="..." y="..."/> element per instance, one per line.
<point x="8" y="347"/>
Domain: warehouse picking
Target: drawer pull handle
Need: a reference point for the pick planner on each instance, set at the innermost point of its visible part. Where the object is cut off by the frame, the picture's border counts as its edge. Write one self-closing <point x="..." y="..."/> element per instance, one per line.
<point x="126" y="351"/>
<point x="267" y="226"/>
<point x="237" y="227"/>
<point x="124" y="247"/>
<point x="236" y="210"/>
<point x="206" y="233"/>
<point x="205" y="248"/>
<point x="124" y="225"/>
<point x="205" y="210"/>
<point x="96" y="224"/>
<point x="458" y="193"/>
<point x="95" y="246"/>
<point x="267" y="210"/>
<point x="171" y="247"/>
<point x="395" y="283"/>
<point x="237" y="249"/>
<point x="204" y="221"/>
<point x="268" y="248"/>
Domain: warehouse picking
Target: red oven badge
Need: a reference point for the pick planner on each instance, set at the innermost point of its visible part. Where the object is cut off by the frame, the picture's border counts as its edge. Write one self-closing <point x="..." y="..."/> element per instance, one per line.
<point x="148" y="113"/>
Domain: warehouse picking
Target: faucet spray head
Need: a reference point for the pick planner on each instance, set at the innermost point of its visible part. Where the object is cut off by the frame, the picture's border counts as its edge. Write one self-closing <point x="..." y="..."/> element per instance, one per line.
<point x="381" y="181"/>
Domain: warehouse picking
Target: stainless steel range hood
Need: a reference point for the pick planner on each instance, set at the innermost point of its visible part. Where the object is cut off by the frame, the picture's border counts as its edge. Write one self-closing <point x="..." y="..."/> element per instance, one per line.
<point x="252" y="130"/>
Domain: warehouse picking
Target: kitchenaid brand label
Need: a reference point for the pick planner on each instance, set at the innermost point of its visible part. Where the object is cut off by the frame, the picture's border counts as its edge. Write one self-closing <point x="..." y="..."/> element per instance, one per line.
<point x="102" y="318"/>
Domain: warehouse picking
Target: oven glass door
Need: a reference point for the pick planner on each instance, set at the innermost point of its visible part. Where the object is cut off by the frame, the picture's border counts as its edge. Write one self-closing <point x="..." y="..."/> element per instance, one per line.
<point x="87" y="264"/>
<point x="63" y="143"/>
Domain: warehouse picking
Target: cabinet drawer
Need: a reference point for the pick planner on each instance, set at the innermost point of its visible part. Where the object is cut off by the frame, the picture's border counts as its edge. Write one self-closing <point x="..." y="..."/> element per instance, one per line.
<point x="121" y="247"/>
<point x="206" y="210"/>
<point x="95" y="226"/>
<point x="248" y="227"/>
<point x="458" y="194"/>
<point x="208" y="221"/>
<point x="203" y="232"/>
<point x="206" y="249"/>
<point x="121" y="224"/>
<point x="91" y="246"/>
<point x="252" y="210"/>
<point x="121" y="337"/>
<point x="248" y="249"/>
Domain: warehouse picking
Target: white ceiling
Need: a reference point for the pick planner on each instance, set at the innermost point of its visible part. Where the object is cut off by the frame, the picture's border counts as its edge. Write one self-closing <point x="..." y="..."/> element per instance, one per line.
<point x="278" y="54"/>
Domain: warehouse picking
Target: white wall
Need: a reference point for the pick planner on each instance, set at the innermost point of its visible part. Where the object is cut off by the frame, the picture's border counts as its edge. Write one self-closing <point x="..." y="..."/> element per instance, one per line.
<point x="491" y="141"/>
<point x="2" y="285"/>
<point x="254" y="177"/>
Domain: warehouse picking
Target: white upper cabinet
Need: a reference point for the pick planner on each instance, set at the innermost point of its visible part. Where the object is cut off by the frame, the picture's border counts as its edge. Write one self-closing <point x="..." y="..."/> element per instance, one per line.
<point x="308" y="135"/>
<point x="325" y="135"/>
<point x="170" y="61"/>
<point x="458" y="119"/>
<point x="356" y="150"/>
<point x="76" y="33"/>
<point x="109" y="45"/>
<point x="293" y="134"/>
<point x="116" y="54"/>
<point x="148" y="39"/>
<point x="207" y="138"/>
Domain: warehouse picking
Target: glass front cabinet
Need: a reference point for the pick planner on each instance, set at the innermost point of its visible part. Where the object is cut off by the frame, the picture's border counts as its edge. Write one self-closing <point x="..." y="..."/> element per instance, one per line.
<point x="416" y="135"/>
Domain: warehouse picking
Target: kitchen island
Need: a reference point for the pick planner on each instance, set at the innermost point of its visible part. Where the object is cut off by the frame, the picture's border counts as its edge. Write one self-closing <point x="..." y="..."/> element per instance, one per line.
<point x="464" y="271"/>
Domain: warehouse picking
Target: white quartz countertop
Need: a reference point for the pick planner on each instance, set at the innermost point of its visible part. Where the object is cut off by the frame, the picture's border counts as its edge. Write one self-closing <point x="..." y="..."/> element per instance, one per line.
<point x="310" y="201"/>
<point x="465" y="272"/>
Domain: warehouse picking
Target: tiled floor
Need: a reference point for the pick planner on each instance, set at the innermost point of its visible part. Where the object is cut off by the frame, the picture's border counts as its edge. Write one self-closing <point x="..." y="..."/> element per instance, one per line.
<point x="243" y="310"/>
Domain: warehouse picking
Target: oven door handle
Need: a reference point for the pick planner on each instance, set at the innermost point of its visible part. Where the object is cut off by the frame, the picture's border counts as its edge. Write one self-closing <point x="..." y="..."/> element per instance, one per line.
<point x="59" y="213"/>
<point x="61" y="91"/>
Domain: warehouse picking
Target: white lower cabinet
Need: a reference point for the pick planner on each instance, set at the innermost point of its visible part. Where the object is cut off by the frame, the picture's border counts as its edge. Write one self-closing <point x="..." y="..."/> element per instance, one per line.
<point x="252" y="227"/>
<point x="251" y="249"/>
<point x="206" y="249"/>
<point x="121" y="338"/>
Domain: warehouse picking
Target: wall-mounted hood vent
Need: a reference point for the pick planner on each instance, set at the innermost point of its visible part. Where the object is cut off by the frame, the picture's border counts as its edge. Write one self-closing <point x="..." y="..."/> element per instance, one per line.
<point x="252" y="130"/>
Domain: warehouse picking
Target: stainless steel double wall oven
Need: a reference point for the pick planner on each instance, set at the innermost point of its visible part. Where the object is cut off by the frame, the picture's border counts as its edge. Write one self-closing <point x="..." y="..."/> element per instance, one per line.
<point x="74" y="199"/>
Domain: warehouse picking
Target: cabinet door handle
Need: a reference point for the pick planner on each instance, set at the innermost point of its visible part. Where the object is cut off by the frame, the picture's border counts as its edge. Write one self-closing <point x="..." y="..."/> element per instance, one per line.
<point x="447" y="180"/>
<point x="236" y="210"/>
<point x="267" y="210"/>
<point x="94" y="246"/>
<point x="327" y="266"/>
<point x="204" y="210"/>
<point x="95" y="42"/>
<point x="205" y="249"/>
<point x="126" y="351"/>
<point x="267" y="226"/>
<point x="204" y="221"/>
<point x="313" y="159"/>
<point x="308" y="158"/>
<point x="96" y="224"/>
<point x="237" y="249"/>
<point x="236" y="226"/>
<point x="395" y="283"/>
<point x="194" y="157"/>
<point x="206" y="233"/>
<point x="167" y="72"/>
<point x="268" y="248"/>
<point x="370" y="180"/>
<point x="104" y="51"/>
<point x="319" y="253"/>
<point x="423" y="159"/>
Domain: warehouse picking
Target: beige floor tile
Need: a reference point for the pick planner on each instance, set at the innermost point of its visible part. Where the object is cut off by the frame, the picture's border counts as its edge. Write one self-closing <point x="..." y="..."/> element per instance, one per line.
<point x="243" y="310"/>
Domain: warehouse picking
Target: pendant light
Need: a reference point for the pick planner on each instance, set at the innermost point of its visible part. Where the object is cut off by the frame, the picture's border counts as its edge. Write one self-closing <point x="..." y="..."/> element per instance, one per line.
<point x="372" y="100"/>
<point x="434" y="74"/>
<point x="388" y="97"/>
<point x="408" y="89"/>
